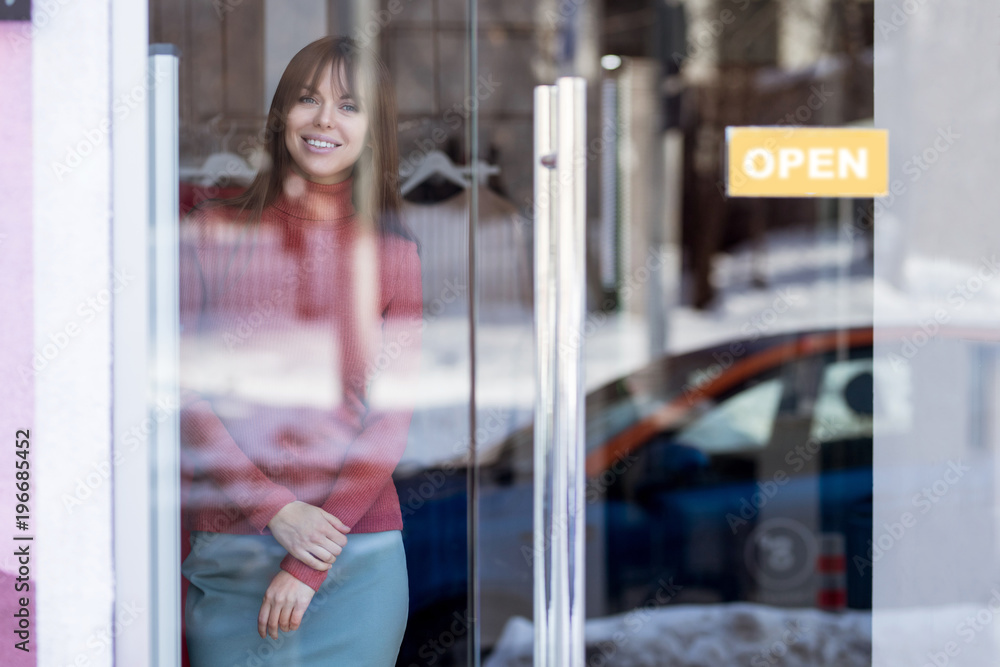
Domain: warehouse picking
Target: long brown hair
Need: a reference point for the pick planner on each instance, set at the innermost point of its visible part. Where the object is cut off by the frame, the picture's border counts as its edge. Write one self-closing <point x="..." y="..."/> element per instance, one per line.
<point x="376" y="173"/>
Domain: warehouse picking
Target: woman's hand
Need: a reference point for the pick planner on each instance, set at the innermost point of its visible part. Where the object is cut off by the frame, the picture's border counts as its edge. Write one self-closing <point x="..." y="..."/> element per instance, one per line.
<point x="285" y="602"/>
<point x="309" y="533"/>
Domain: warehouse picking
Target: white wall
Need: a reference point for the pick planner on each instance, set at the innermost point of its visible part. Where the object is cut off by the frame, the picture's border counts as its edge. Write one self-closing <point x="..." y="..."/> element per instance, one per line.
<point x="72" y="430"/>
<point x="937" y="91"/>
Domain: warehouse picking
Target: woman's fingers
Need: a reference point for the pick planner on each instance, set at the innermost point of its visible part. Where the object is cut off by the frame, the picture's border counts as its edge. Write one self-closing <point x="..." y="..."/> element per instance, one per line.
<point x="335" y="536"/>
<point x="335" y="549"/>
<point x="309" y="559"/>
<point x="285" y="602"/>
<point x="337" y="523"/>
<point x="272" y="622"/>
<point x="297" y="613"/>
<point x="285" y="616"/>
<point x="326" y="555"/>
<point x="338" y="538"/>
<point x="267" y="619"/>
<point x="262" y="618"/>
<point x="310" y="533"/>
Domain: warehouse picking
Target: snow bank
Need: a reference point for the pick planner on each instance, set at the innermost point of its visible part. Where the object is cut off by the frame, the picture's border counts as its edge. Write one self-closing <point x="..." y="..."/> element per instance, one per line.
<point x="709" y="636"/>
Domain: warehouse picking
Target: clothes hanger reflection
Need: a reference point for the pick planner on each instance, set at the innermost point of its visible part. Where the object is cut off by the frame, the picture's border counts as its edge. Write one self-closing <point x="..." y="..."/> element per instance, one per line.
<point x="436" y="164"/>
<point x="223" y="166"/>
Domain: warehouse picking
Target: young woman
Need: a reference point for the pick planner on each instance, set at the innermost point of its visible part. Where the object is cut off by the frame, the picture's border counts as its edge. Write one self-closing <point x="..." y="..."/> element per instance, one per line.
<point x="301" y="314"/>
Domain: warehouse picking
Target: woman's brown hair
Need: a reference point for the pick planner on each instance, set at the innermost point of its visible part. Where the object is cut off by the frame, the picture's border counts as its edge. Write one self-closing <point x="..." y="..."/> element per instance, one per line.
<point x="376" y="173"/>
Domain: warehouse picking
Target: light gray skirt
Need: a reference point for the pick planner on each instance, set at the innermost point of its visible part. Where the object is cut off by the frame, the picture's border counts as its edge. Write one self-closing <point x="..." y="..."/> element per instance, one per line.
<point x="356" y="618"/>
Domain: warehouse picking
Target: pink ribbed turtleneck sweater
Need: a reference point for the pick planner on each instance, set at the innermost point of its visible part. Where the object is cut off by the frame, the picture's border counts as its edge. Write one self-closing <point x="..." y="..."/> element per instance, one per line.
<point x="296" y="334"/>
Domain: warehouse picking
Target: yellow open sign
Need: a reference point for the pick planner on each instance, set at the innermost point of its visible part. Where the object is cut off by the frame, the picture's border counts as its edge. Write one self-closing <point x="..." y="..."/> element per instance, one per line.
<point x="806" y="162"/>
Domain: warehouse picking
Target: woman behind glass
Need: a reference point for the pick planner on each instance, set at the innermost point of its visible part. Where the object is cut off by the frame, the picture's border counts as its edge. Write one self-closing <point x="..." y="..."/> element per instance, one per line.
<point x="301" y="314"/>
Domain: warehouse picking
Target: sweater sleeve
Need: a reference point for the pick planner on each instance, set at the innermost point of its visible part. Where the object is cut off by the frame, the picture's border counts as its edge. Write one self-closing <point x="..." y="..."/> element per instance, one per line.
<point x="372" y="457"/>
<point x="204" y="437"/>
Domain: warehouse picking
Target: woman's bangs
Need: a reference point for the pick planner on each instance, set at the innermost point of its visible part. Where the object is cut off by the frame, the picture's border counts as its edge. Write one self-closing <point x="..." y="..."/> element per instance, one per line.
<point x="344" y="78"/>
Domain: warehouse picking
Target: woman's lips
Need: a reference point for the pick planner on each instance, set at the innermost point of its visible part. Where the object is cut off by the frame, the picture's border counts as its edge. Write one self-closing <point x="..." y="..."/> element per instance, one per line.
<point x="319" y="145"/>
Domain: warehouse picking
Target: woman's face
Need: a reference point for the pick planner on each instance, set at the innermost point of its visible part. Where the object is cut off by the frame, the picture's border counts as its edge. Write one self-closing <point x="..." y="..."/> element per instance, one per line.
<point x="326" y="132"/>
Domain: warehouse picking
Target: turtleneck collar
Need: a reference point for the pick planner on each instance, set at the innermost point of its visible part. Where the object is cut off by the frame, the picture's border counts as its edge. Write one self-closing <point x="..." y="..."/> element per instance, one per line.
<point x="312" y="204"/>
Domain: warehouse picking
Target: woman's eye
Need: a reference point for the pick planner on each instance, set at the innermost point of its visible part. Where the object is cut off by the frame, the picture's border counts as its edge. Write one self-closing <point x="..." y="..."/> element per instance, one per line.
<point x="350" y="107"/>
<point x="307" y="99"/>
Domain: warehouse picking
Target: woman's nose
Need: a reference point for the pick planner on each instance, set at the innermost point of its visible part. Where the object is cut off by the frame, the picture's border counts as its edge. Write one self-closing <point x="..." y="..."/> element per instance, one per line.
<point x="324" y="115"/>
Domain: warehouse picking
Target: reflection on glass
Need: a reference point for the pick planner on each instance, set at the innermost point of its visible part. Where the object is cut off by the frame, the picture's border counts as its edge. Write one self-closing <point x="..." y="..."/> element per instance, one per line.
<point x="729" y="456"/>
<point x="301" y="332"/>
<point x="743" y="421"/>
<point x="728" y="347"/>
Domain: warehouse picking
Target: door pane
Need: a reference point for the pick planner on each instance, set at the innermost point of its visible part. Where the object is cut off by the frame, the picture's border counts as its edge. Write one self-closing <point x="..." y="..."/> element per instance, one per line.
<point x="727" y="342"/>
<point x="325" y="342"/>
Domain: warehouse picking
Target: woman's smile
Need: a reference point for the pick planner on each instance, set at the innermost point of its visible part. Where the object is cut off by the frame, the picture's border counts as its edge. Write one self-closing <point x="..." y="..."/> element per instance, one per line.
<point x="321" y="144"/>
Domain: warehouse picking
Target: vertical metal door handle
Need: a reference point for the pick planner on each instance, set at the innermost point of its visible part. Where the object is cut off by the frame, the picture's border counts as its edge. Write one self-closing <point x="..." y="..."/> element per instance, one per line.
<point x="560" y="298"/>
<point x="164" y="142"/>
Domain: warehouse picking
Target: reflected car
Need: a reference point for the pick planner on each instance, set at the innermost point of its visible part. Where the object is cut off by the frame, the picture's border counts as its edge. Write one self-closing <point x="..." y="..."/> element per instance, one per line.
<point x="740" y="472"/>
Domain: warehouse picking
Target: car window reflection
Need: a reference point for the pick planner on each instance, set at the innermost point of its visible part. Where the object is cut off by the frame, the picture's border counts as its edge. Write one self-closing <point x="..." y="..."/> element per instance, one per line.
<point x="743" y="421"/>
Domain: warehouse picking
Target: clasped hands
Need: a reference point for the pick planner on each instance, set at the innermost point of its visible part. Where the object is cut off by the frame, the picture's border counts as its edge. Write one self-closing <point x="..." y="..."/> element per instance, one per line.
<point x="316" y="538"/>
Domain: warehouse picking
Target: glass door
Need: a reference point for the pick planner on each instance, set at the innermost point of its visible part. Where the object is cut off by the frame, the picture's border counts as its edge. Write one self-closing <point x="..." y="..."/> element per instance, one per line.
<point x="727" y="346"/>
<point x="327" y="335"/>
<point x="358" y="292"/>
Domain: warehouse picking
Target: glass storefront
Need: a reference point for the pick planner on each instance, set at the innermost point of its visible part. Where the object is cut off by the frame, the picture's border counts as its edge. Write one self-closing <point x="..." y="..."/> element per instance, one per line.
<point x="373" y="355"/>
<point x="727" y="343"/>
<point x="306" y="358"/>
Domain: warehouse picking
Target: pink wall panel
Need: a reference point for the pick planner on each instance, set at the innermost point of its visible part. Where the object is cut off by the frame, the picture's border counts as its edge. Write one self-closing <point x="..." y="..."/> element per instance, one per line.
<point x="16" y="331"/>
